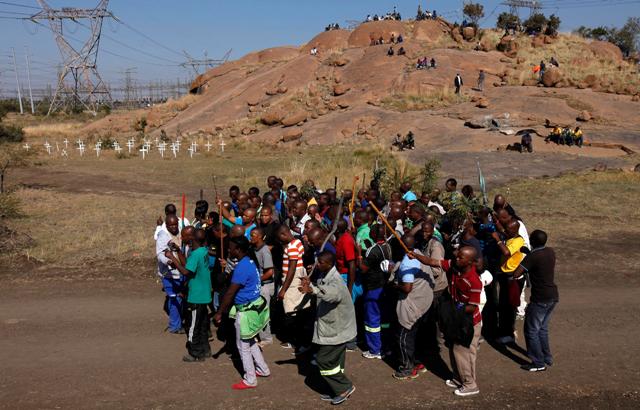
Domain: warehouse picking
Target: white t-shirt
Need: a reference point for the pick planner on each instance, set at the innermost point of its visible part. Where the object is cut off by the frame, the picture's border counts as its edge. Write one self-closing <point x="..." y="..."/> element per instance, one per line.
<point x="163" y="227"/>
<point x="522" y="231"/>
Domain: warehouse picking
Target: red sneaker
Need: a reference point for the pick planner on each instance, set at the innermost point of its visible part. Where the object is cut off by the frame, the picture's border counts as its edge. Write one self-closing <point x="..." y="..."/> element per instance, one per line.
<point x="420" y="368"/>
<point x="242" y="386"/>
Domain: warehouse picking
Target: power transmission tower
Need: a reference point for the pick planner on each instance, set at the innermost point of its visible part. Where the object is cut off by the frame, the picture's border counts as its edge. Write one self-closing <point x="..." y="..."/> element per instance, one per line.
<point x="15" y="68"/>
<point x="534" y="6"/>
<point x="129" y="86"/>
<point x="206" y="62"/>
<point x="86" y="88"/>
<point x="26" y="56"/>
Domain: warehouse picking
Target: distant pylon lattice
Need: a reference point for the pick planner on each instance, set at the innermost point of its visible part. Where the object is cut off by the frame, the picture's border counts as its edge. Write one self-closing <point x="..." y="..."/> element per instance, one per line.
<point x="79" y="83"/>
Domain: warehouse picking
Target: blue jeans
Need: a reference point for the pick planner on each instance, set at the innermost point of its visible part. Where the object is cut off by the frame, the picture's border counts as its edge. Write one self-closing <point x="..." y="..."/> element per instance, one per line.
<point x="536" y="332"/>
<point x="172" y="288"/>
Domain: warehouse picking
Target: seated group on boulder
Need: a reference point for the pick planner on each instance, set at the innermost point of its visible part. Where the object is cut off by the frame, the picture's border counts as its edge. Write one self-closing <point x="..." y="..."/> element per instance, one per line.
<point x="425" y="63"/>
<point x="408" y="142"/>
<point x="566" y="136"/>
<point x="388" y="16"/>
<point x="422" y="15"/>
<point x="392" y="40"/>
<point x="334" y="26"/>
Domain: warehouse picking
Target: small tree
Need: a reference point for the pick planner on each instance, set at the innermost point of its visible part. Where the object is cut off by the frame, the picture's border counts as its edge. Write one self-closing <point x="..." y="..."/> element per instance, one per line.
<point x="474" y="11"/>
<point x="553" y="24"/>
<point x="535" y="24"/>
<point x="11" y="156"/>
<point x="429" y="174"/>
<point x="507" y="21"/>
<point x="626" y="38"/>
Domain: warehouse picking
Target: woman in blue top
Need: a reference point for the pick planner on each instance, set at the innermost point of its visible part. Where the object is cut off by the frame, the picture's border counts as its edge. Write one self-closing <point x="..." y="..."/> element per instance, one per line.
<point x="243" y="292"/>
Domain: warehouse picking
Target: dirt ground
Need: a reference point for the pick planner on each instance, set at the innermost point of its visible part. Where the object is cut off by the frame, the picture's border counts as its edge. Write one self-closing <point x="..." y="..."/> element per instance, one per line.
<point x="90" y="335"/>
<point x="100" y="344"/>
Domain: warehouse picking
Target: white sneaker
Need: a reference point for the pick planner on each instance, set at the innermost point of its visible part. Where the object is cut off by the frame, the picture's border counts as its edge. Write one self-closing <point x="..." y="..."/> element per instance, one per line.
<point x="369" y="355"/>
<point x="454" y="384"/>
<point x="463" y="392"/>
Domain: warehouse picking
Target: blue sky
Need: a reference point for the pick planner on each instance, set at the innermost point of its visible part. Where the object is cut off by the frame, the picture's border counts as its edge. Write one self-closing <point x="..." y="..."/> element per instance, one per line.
<point x="216" y="26"/>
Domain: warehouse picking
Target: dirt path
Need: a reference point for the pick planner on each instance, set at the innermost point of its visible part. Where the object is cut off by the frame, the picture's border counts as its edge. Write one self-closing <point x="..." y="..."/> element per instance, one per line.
<point x="99" y="344"/>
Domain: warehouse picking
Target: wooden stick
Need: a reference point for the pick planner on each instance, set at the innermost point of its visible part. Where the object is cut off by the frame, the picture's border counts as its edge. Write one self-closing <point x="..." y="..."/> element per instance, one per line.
<point x="184" y="204"/>
<point x="353" y="201"/>
<point x="221" y="256"/>
<point x="393" y="231"/>
<point x="335" y="183"/>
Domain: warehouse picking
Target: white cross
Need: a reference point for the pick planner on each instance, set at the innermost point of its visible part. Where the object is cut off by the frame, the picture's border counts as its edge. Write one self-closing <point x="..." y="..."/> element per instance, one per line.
<point x="47" y="146"/>
<point x="99" y="143"/>
<point x="157" y="141"/>
<point x="222" y="144"/>
<point x="79" y="142"/>
<point x="66" y="143"/>
<point x="178" y="144"/>
<point x="147" y="146"/>
<point x="98" y="148"/>
<point x="64" y="153"/>
<point x="194" y="146"/>
<point x="81" y="148"/>
<point x="144" y="151"/>
<point x="26" y="146"/>
<point x="161" y="148"/>
<point x="117" y="147"/>
<point x="208" y="145"/>
<point x="175" y="149"/>
<point x="190" y="149"/>
<point x="130" y="144"/>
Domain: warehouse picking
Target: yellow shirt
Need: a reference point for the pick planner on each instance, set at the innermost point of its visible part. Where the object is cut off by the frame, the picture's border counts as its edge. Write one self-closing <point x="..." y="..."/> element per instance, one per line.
<point x="514" y="245"/>
<point x="578" y="134"/>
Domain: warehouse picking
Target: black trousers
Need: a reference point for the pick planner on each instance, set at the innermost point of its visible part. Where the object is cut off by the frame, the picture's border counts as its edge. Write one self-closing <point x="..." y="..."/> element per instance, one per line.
<point x="298" y="327"/>
<point x="331" y="360"/>
<point x="197" y="319"/>
<point x="407" y="346"/>
<point x="506" y="312"/>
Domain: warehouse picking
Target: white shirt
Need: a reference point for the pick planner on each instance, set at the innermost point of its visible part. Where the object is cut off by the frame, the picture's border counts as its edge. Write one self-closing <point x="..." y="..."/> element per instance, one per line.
<point x="300" y="224"/>
<point x="437" y="205"/>
<point x="164" y="270"/>
<point x="522" y="231"/>
<point x="163" y="227"/>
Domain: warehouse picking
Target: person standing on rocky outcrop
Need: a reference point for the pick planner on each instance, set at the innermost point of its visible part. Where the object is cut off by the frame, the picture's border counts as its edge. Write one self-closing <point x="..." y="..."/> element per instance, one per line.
<point x="457" y="82"/>
<point x="481" y="81"/>
<point x="542" y="68"/>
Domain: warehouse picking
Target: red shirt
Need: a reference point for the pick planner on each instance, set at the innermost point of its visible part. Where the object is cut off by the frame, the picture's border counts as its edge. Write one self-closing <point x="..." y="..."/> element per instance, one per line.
<point x="345" y="252"/>
<point x="465" y="288"/>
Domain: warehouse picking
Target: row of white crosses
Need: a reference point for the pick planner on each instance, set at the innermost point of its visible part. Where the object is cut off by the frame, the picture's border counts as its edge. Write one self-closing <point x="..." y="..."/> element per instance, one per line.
<point x="145" y="149"/>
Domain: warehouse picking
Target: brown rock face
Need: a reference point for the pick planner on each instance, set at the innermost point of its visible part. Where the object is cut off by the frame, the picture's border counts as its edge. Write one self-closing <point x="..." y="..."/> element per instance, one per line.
<point x="253" y="101"/>
<point x="635" y="98"/>
<point x="362" y="35"/>
<point x="482" y="103"/>
<point x="605" y="50"/>
<point x="508" y="46"/>
<point x="292" y="135"/>
<point x="537" y="41"/>
<point x="294" y="118"/>
<point x="340" y="89"/>
<point x="428" y="30"/>
<point x="551" y="77"/>
<point x="272" y="116"/>
<point x="468" y="33"/>
<point x="584" y="116"/>
<point x="455" y="34"/>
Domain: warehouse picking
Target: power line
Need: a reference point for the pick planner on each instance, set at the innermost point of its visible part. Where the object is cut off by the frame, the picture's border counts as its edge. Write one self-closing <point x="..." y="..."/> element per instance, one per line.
<point x="148" y="38"/>
<point x="19" y="5"/>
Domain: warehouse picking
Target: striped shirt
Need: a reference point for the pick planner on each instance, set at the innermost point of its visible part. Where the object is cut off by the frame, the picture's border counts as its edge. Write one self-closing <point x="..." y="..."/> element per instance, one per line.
<point x="293" y="251"/>
<point x="465" y="288"/>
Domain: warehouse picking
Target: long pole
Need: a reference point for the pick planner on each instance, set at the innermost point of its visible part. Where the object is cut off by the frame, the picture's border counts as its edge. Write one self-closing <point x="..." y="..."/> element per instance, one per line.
<point x="393" y="231"/>
<point x="15" y="69"/>
<point x="26" y="56"/>
<point x="353" y="201"/>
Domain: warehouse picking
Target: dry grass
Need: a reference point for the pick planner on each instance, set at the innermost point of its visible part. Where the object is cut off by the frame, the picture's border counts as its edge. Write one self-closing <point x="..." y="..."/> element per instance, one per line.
<point x="577" y="61"/>
<point x="439" y="98"/>
<point x="54" y="130"/>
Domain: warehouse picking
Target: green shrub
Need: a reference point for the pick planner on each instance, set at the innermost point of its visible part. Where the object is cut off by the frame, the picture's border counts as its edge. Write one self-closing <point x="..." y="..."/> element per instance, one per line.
<point x="9" y="133"/>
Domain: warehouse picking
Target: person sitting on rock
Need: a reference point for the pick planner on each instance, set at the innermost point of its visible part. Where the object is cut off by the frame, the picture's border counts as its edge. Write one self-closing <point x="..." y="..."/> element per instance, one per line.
<point x="381" y="40"/>
<point x="433" y="62"/>
<point x="369" y="18"/>
<point x="567" y="136"/>
<point x="390" y="52"/>
<point x="554" y="62"/>
<point x="434" y="15"/>
<point x="554" y="136"/>
<point x="409" y="142"/>
<point x="392" y="40"/>
<point x="401" y="51"/>
<point x="397" y="142"/>
<point x="400" y="38"/>
<point x="314" y="51"/>
<point x="542" y="68"/>
<point x="577" y="137"/>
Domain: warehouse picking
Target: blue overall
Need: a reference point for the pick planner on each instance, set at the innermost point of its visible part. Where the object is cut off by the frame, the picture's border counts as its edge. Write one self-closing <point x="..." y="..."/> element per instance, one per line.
<point x="172" y="288"/>
<point x="373" y="319"/>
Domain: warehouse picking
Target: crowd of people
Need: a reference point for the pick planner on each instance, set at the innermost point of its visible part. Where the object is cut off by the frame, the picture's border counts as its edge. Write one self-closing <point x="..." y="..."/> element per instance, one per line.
<point x="426" y="15"/>
<point x="425" y="63"/>
<point x="394" y="15"/>
<point x="398" y="274"/>
<point x="392" y="40"/>
<point x="332" y="26"/>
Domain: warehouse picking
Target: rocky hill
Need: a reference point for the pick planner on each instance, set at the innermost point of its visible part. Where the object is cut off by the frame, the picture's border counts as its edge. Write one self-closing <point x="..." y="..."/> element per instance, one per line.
<point x="353" y="91"/>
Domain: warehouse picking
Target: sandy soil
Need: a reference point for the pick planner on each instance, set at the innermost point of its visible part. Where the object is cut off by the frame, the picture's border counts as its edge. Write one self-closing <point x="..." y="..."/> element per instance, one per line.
<point x="100" y="344"/>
